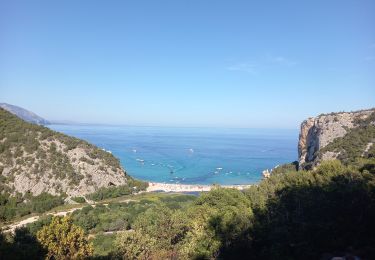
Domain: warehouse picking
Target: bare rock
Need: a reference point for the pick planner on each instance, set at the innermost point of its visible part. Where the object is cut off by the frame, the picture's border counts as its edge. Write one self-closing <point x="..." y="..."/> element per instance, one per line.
<point x="318" y="132"/>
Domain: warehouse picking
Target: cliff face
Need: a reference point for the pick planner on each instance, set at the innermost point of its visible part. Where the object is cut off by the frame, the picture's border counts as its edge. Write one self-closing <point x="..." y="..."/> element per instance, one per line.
<point x="36" y="159"/>
<point x="317" y="132"/>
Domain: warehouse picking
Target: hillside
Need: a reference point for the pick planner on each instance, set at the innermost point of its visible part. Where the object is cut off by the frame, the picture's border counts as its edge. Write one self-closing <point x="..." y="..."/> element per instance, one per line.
<point x="325" y="212"/>
<point x="340" y="136"/>
<point x="24" y="114"/>
<point x="35" y="159"/>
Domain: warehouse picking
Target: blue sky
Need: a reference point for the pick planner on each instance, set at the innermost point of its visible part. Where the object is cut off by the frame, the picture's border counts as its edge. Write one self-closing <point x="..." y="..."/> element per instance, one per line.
<point x="188" y="63"/>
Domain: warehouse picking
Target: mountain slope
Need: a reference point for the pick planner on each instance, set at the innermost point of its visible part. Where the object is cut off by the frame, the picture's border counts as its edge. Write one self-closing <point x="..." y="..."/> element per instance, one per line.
<point x="343" y="136"/>
<point x="24" y="114"/>
<point x="36" y="159"/>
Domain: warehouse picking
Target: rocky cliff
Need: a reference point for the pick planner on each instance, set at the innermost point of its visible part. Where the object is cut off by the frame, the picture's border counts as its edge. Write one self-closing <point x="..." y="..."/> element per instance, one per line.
<point x="318" y="132"/>
<point x="36" y="159"/>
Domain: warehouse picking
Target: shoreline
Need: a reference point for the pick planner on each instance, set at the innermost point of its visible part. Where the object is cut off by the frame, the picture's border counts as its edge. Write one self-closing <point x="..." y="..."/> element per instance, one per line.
<point x="173" y="187"/>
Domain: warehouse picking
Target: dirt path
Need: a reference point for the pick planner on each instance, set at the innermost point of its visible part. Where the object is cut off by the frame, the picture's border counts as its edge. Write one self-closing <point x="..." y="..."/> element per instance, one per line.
<point x="12" y="227"/>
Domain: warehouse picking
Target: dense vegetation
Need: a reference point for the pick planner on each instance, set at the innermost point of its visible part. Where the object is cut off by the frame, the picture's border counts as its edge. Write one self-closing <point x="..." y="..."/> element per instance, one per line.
<point x="12" y="207"/>
<point x="297" y="215"/>
<point x="132" y="186"/>
<point x="101" y="222"/>
<point x="18" y="206"/>
<point x="307" y="214"/>
<point x="121" y="216"/>
<point x="63" y="240"/>
<point x="285" y="168"/>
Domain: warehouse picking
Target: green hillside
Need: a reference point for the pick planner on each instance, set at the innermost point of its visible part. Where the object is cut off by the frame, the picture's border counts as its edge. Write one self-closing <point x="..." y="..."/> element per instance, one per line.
<point x="308" y="214"/>
<point x="39" y="168"/>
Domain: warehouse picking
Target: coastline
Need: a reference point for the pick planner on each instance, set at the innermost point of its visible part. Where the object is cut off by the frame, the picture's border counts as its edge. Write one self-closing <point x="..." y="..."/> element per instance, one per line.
<point x="173" y="187"/>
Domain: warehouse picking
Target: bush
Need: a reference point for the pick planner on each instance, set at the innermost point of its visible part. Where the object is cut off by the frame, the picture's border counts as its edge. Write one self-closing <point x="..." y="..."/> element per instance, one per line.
<point x="18" y="206"/>
<point x="133" y="186"/>
<point x="79" y="199"/>
<point x="63" y="240"/>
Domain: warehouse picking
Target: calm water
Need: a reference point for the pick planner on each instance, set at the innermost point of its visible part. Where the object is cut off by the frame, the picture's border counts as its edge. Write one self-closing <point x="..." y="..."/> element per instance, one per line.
<point x="192" y="155"/>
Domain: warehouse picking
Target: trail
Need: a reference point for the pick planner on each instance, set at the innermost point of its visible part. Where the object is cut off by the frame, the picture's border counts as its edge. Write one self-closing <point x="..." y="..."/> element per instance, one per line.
<point x="153" y="186"/>
<point x="12" y="227"/>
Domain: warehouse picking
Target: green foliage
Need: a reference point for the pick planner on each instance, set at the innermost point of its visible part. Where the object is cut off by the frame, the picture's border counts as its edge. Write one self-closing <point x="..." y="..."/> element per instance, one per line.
<point x="200" y="241"/>
<point x="63" y="240"/>
<point x="228" y="216"/>
<point x="110" y="192"/>
<point x="34" y="227"/>
<point x="132" y="186"/>
<point x="293" y="215"/>
<point x="18" y="206"/>
<point x="215" y="221"/>
<point x="333" y="205"/>
<point x="135" y="245"/>
<point x="121" y="216"/>
<point x="79" y="199"/>
<point x="285" y="168"/>
<point x="103" y="244"/>
<point x="172" y="223"/>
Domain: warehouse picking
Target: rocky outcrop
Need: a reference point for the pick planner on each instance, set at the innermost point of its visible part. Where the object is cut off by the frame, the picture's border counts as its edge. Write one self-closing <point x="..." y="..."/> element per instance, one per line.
<point x="90" y="174"/>
<point x="318" y="132"/>
<point x="35" y="159"/>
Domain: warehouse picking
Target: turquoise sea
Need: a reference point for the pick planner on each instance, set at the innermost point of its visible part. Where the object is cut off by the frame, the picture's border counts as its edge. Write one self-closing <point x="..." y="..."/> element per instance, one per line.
<point x="192" y="155"/>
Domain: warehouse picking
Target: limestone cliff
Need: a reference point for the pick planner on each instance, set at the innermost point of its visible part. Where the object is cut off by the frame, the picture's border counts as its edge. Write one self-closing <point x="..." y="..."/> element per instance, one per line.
<point x="317" y="132"/>
<point x="36" y="159"/>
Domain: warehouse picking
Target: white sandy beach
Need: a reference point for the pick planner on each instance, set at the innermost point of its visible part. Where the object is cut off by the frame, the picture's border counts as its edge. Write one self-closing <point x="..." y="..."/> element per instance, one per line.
<point x="169" y="187"/>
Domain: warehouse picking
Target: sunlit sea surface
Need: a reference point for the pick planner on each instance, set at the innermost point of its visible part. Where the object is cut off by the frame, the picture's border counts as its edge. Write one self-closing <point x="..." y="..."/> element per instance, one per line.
<point x="192" y="155"/>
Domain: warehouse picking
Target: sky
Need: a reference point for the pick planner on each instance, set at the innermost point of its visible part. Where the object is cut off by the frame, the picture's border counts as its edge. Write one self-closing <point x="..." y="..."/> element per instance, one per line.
<point x="212" y="63"/>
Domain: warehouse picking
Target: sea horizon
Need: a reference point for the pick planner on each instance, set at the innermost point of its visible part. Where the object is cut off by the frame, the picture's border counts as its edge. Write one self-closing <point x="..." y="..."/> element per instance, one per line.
<point x="75" y="123"/>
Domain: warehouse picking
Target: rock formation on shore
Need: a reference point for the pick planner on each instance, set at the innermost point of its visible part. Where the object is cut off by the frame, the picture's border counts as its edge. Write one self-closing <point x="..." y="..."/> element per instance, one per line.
<point x="318" y="132"/>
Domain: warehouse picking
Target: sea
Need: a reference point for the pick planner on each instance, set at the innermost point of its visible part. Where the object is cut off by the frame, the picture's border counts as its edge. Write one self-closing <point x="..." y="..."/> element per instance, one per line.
<point x="188" y="155"/>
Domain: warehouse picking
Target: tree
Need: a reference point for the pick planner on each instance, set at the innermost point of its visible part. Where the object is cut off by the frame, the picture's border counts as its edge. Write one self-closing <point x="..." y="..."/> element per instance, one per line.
<point x="172" y="223"/>
<point x="64" y="240"/>
<point x="200" y="241"/>
<point x="135" y="245"/>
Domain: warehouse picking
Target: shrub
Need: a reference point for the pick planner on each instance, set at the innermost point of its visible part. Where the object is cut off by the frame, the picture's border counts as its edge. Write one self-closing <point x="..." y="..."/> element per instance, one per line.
<point x="79" y="199"/>
<point x="64" y="240"/>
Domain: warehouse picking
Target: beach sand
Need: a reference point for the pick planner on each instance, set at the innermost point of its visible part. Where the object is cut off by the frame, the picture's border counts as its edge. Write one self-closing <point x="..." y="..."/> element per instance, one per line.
<point x="169" y="187"/>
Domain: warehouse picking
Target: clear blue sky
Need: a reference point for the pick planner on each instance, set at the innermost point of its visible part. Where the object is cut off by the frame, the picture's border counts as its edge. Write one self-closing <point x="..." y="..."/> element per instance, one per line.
<point x="187" y="63"/>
